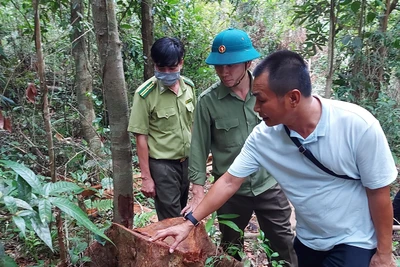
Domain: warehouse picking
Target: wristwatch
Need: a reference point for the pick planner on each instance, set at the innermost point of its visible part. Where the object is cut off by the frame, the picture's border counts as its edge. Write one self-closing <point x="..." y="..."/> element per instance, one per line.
<point x="191" y="218"/>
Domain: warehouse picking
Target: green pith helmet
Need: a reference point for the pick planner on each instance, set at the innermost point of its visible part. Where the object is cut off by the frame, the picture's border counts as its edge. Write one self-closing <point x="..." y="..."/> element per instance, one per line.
<point x="231" y="46"/>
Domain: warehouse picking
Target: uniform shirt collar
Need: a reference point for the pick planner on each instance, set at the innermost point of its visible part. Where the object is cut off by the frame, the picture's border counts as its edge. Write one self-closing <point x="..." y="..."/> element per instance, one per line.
<point x="224" y="91"/>
<point x="163" y="88"/>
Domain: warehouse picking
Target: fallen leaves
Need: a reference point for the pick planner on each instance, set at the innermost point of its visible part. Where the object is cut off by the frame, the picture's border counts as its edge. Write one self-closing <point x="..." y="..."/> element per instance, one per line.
<point x="31" y="92"/>
<point x="5" y="122"/>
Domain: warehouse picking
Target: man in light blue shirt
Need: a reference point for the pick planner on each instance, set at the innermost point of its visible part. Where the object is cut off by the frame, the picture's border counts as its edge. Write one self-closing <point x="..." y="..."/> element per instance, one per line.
<point x="341" y="203"/>
<point x="340" y="222"/>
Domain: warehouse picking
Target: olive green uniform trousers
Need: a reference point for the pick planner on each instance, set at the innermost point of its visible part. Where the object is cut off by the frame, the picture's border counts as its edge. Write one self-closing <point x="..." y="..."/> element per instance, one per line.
<point x="273" y="215"/>
<point x="172" y="186"/>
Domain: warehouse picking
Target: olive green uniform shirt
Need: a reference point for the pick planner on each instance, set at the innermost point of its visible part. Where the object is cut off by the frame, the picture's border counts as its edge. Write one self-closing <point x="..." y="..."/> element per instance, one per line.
<point x="166" y="118"/>
<point x="222" y="123"/>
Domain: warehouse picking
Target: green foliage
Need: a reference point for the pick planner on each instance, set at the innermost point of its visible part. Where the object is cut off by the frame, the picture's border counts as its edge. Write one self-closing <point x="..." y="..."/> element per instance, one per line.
<point x="314" y="15"/>
<point x="260" y="245"/>
<point x="366" y="56"/>
<point x="213" y="261"/>
<point x="142" y="219"/>
<point x="140" y="197"/>
<point x="37" y="210"/>
<point x="78" y="246"/>
<point x="395" y="245"/>
<point x="6" y="103"/>
<point x="359" y="38"/>
<point x="6" y="260"/>
<point x="212" y="230"/>
<point x="209" y="226"/>
<point x="101" y="205"/>
<point x="387" y="111"/>
<point x="222" y="219"/>
<point x="263" y="243"/>
<point x="133" y="56"/>
<point x="195" y="23"/>
<point x="32" y="242"/>
<point x="225" y="219"/>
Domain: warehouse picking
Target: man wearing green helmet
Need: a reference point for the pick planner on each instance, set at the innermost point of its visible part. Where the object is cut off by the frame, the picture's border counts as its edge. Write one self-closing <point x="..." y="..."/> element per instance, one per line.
<point x="223" y="119"/>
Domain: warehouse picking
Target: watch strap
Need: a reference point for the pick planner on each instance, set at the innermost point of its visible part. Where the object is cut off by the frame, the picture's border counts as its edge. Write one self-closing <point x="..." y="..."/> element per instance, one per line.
<point x="189" y="216"/>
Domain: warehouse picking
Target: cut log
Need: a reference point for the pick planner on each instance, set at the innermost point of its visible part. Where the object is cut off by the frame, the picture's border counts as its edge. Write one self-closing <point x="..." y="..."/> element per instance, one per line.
<point x="133" y="248"/>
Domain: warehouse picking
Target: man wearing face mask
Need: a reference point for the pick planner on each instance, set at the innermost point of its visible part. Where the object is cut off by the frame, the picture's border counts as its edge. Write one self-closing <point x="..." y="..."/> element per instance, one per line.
<point x="224" y="118"/>
<point x="161" y="119"/>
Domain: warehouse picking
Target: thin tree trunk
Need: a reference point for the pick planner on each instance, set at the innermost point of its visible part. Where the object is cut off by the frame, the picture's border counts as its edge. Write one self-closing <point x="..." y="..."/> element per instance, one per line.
<point x="47" y="125"/>
<point x="382" y="50"/>
<point x="147" y="37"/>
<point x="83" y="79"/>
<point x="109" y="45"/>
<point x="357" y="64"/>
<point x="331" y="49"/>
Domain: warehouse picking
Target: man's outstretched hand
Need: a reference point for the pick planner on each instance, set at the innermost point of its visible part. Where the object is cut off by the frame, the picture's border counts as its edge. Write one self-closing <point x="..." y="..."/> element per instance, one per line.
<point x="178" y="232"/>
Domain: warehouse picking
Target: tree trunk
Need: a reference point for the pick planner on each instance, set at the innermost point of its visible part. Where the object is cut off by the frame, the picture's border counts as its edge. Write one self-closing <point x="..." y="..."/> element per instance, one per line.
<point x="382" y="48"/>
<point x="47" y="125"/>
<point x="358" y="64"/>
<point x="147" y="37"/>
<point x="331" y="49"/>
<point x="109" y="47"/>
<point x="83" y="79"/>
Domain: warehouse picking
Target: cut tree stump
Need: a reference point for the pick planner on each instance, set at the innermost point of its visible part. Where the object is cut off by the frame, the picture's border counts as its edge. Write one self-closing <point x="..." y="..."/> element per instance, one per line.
<point x="133" y="248"/>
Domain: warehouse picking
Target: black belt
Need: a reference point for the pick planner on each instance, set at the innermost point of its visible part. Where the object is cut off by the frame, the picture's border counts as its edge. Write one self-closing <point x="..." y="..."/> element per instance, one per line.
<point x="173" y="160"/>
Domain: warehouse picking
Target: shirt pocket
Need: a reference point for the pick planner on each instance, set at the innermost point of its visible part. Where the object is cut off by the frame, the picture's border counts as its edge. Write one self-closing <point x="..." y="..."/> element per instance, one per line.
<point x="228" y="133"/>
<point x="190" y="107"/>
<point x="167" y="119"/>
<point x="189" y="114"/>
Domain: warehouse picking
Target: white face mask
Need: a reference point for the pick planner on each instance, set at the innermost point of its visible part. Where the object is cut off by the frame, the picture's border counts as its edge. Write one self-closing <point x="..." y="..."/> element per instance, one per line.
<point x="167" y="78"/>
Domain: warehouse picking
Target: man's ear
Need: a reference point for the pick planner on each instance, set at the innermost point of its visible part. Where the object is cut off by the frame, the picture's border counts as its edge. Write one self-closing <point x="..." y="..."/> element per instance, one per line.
<point x="248" y="64"/>
<point x="293" y="98"/>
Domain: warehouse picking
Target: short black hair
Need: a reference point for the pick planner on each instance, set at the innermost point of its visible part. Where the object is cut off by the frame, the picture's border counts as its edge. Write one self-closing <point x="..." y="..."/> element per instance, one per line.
<point x="167" y="52"/>
<point x="286" y="70"/>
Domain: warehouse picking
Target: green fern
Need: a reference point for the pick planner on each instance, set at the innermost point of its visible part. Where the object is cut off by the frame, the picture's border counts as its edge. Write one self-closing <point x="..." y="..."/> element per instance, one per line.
<point x="99" y="204"/>
<point x="142" y="219"/>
